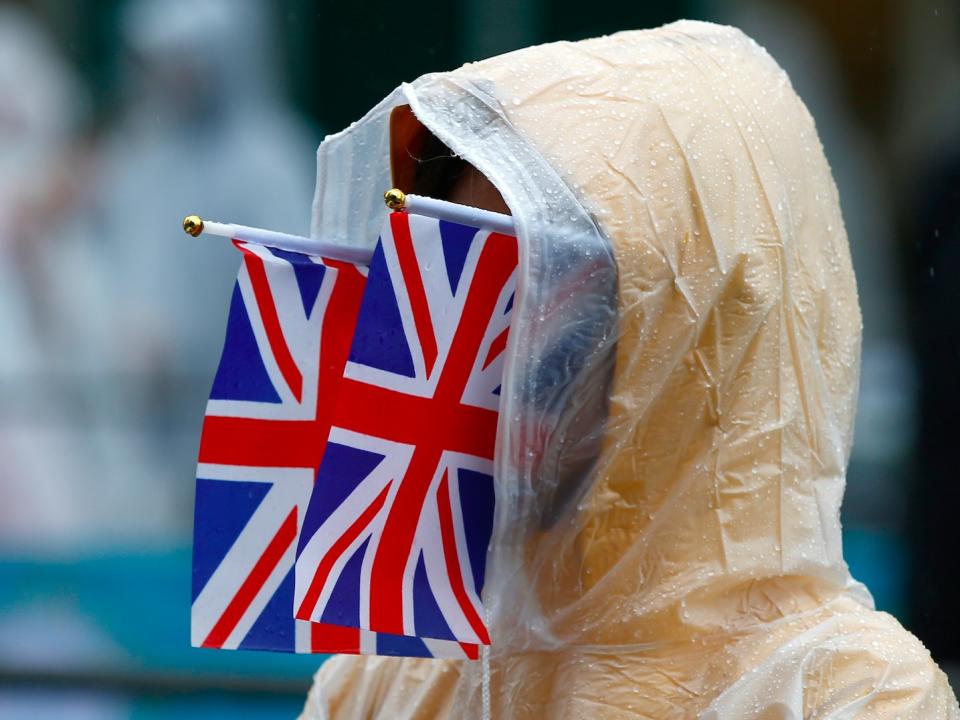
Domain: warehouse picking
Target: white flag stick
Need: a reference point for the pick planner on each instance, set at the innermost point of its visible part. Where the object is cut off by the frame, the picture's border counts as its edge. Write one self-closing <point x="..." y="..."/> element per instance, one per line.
<point x="395" y="200"/>
<point x="193" y="225"/>
<point x="445" y="210"/>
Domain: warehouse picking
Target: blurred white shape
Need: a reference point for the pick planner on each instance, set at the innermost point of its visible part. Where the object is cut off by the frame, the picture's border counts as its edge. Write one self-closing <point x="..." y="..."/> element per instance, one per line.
<point x="40" y="106"/>
<point x="204" y="131"/>
<point x="108" y="428"/>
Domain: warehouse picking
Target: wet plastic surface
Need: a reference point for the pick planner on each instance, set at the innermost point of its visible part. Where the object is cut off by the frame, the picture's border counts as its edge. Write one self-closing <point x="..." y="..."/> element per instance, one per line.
<point x="678" y="402"/>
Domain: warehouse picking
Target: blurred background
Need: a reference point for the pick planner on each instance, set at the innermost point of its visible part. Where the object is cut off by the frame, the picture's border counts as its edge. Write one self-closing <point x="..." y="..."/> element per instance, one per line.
<point x="118" y="118"/>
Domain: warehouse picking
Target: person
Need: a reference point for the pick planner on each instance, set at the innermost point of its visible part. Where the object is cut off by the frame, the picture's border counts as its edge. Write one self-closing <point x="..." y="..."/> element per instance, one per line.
<point x="683" y="258"/>
<point x="201" y="127"/>
<point x="42" y="109"/>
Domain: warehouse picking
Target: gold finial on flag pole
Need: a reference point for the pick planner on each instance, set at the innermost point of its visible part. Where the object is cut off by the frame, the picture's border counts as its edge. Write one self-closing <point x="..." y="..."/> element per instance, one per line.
<point x="193" y="225"/>
<point x="395" y="199"/>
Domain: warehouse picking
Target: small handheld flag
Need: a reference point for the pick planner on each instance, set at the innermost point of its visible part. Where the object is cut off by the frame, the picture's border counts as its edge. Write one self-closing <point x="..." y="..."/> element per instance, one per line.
<point x="352" y="419"/>
<point x="396" y="533"/>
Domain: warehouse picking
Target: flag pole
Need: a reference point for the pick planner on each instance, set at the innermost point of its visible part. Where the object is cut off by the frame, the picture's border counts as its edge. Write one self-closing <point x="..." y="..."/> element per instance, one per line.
<point x="195" y="226"/>
<point x="396" y="199"/>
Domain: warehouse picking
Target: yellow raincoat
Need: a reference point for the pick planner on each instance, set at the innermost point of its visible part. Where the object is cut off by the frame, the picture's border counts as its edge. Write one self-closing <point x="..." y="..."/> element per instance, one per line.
<point x="678" y="220"/>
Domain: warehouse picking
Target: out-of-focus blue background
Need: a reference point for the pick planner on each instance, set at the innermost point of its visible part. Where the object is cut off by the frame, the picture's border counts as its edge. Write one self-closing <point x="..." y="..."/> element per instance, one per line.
<point x="118" y="118"/>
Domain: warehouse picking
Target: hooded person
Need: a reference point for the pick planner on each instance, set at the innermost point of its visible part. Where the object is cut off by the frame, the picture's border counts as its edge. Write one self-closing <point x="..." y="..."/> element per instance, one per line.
<point x="678" y="394"/>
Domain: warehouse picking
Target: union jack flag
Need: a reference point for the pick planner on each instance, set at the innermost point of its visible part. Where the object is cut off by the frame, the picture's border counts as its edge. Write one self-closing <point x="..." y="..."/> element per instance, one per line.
<point x="396" y="532"/>
<point x="290" y="324"/>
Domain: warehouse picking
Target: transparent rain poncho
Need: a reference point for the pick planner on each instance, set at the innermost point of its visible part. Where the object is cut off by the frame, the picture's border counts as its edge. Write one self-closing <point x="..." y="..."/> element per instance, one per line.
<point x="678" y="397"/>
